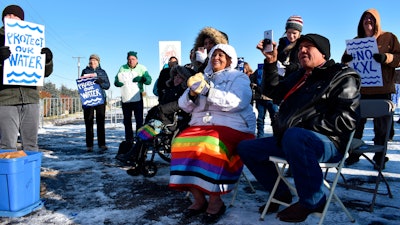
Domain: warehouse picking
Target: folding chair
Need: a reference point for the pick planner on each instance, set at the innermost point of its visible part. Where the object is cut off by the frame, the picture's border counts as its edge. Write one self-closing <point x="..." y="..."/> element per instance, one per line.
<point x="370" y="109"/>
<point x="281" y="164"/>
<point x="235" y="190"/>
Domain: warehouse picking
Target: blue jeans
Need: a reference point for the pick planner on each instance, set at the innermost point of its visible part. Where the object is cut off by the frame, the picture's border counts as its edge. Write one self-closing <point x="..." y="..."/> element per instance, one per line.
<point x="303" y="149"/>
<point x="262" y="106"/>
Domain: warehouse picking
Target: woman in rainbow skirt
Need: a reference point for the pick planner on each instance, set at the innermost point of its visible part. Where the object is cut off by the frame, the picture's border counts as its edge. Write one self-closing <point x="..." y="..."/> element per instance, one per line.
<point x="204" y="159"/>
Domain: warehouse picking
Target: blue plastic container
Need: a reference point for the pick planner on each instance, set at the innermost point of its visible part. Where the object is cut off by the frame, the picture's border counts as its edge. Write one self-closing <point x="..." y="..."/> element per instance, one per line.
<point x="20" y="184"/>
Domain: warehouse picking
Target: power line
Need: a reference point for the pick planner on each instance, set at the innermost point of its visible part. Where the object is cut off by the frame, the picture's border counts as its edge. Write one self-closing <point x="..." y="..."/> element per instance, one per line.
<point x="79" y="63"/>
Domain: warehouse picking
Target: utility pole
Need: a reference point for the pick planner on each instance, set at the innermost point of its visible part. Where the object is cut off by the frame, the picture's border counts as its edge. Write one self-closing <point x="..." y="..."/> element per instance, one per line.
<point x="79" y="63"/>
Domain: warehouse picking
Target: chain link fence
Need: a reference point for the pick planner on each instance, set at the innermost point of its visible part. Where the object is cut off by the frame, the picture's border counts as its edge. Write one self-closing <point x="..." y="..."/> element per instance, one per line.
<point x="54" y="110"/>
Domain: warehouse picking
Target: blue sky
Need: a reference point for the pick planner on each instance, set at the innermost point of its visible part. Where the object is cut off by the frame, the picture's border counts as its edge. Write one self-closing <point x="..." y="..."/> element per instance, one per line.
<point x="77" y="28"/>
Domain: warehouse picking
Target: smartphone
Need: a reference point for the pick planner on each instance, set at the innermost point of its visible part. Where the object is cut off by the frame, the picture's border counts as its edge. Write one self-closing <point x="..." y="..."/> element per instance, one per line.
<point x="268" y="37"/>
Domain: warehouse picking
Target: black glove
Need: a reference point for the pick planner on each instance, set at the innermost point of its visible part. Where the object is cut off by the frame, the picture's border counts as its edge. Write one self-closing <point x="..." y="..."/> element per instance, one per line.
<point x="379" y="57"/>
<point x="99" y="81"/>
<point x="346" y="58"/>
<point x="4" y="53"/>
<point x="140" y="79"/>
<point x="49" y="54"/>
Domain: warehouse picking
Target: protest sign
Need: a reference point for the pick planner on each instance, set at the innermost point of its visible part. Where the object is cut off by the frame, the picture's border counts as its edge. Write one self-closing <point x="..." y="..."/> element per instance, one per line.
<point x="167" y="49"/>
<point x="26" y="64"/>
<point x="90" y="92"/>
<point x="362" y="50"/>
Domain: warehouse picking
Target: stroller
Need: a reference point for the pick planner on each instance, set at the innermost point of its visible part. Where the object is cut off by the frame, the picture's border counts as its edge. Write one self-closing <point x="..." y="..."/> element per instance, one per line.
<point x="155" y="137"/>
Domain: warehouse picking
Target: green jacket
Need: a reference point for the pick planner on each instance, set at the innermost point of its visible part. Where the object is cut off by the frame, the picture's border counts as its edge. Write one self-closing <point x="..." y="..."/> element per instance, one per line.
<point x="140" y="69"/>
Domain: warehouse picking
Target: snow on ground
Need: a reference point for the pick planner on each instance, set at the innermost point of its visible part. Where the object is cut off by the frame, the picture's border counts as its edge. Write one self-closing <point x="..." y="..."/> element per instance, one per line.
<point x="92" y="188"/>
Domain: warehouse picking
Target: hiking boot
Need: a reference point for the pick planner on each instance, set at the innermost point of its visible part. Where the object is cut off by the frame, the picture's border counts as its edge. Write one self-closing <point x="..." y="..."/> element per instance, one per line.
<point x="285" y="196"/>
<point x="377" y="160"/>
<point x="298" y="212"/>
<point x="89" y="149"/>
<point x="353" y="158"/>
<point x="103" y="147"/>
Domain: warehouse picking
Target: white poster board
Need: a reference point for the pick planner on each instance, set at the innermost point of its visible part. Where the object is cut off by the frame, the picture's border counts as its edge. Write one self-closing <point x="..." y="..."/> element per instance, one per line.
<point x="168" y="49"/>
<point x="25" y="66"/>
<point x="362" y="50"/>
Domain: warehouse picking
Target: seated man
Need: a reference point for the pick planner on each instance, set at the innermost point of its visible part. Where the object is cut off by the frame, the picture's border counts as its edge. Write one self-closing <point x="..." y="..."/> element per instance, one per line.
<point x="319" y="108"/>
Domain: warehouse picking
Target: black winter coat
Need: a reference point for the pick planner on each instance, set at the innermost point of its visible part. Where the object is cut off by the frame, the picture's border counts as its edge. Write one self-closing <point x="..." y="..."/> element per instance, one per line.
<point x="101" y="76"/>
<point x="327" y="103"/>
<point x="288" y="58"/>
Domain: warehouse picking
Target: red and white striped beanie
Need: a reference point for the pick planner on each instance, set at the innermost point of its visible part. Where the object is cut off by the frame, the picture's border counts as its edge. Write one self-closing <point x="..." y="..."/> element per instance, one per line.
<point x="294" y="22"/>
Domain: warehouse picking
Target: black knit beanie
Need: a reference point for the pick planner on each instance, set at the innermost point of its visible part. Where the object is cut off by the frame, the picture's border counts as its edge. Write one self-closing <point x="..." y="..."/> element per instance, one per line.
<point x="320" y="42"/>
<point x="13" y="9"/>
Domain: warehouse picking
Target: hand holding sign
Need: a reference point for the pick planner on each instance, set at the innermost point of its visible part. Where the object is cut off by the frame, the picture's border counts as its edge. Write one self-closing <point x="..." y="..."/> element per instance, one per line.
<point x="90" y="92"/>
<point x="48" y="53"/>
<point x="380" y="57"/>
<point x="4" y="53"/>
<point x="25" y="65"/>
<point x="346" y="58"/>
<point x="366" y="60"/>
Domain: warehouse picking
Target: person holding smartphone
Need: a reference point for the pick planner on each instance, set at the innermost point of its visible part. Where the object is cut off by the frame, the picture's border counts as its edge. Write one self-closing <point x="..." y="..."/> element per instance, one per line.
<point x="319" y="108"/>
<point x="287" y="54"/>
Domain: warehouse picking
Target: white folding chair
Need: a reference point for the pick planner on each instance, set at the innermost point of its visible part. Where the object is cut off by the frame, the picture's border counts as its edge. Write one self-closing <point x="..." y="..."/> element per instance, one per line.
<point x="373" y="109"/>
<point x="236" y="189"/>
<point x="281" y="164"/>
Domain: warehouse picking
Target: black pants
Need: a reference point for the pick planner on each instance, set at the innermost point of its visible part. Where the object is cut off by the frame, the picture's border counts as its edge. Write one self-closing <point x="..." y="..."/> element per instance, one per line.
<point x="380" y="125"/>
<point x="88" y="113"/>
<point x="127" y="108"/>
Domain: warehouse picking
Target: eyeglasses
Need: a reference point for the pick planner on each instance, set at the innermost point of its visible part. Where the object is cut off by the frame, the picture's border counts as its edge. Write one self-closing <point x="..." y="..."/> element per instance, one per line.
<point x="369" y="17"/>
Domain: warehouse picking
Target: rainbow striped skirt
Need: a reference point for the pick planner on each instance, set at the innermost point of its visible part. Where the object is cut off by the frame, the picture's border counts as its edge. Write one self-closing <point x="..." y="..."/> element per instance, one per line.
<point x="204" y="157"/>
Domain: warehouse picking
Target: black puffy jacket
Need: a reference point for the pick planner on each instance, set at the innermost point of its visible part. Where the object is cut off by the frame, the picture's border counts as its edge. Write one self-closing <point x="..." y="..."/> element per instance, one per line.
<point x="327" y="103"/>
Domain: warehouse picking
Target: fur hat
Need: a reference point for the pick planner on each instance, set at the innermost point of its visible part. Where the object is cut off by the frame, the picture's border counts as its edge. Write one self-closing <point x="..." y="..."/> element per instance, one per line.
<point x="94" y="56"/>
<point x="294" y="22"/>
<point x="217" y="36"/>
<point x="320" y="42"/>
<point x="132" y="53"/>
<point x="14" y="9"/>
